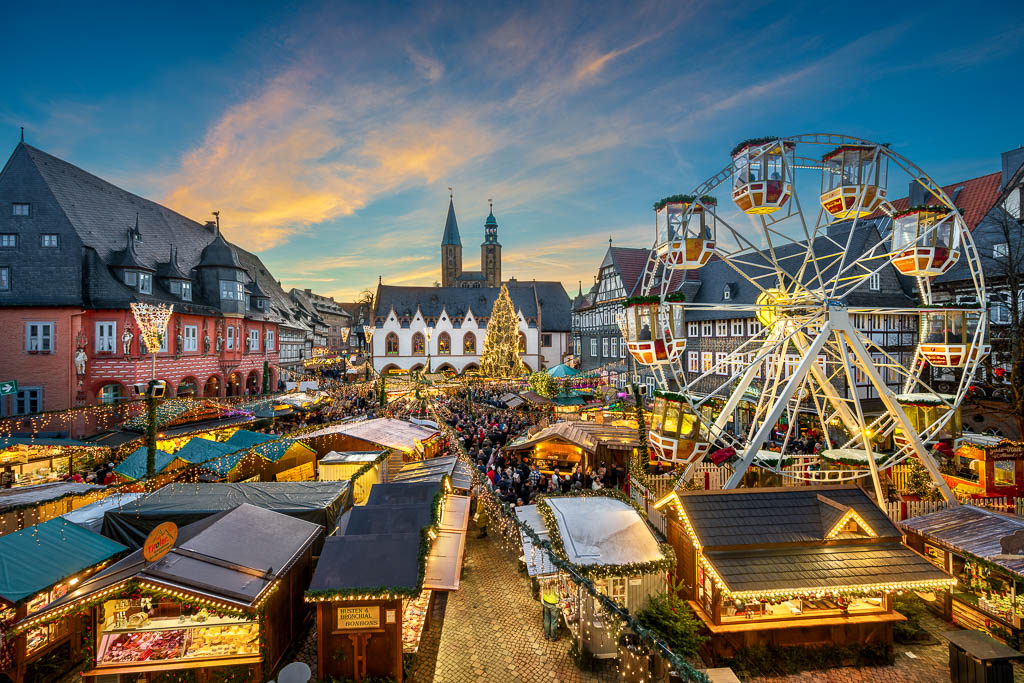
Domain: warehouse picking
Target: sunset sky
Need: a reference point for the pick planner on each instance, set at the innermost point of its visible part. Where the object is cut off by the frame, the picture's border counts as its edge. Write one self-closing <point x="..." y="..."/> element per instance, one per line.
<point x="327" y="134"/>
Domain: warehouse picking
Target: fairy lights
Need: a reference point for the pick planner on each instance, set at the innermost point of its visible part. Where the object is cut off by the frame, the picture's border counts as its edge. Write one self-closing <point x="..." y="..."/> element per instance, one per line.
<point x="152" y="321"/>
<point x="500" y="358"/>
<point x="850" y="514"/>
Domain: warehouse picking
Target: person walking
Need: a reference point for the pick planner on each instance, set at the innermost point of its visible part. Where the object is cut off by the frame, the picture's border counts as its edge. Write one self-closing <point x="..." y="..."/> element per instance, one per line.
<point x="550" y="601"/>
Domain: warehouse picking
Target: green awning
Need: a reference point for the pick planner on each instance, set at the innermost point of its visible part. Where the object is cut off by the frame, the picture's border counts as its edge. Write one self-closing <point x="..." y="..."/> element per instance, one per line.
<point x="37" y="558"/>
<point x="269" y="446"/>
<point x="134" y="466"/>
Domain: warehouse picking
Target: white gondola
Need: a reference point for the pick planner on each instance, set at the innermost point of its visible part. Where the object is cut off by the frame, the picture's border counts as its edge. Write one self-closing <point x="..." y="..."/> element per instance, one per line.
<point x="685" y="239"/>
<point x="925" y="241"/>
<point x="655" y="331"/>
<point x="760" y="175"/>
<point x="947" y="338"/>
<point x="853" y="179"/>
<point x="675" y="434"/>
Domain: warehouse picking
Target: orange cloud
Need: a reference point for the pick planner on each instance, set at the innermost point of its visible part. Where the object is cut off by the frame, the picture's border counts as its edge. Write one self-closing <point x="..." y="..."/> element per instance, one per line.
<point x="294" y="156"/>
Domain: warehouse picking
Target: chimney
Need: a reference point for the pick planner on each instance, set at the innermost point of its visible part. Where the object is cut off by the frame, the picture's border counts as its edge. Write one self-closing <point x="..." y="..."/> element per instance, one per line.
<point x="309" y="291"/>
<point x="917" y="196"/>
<point x="211" y="226"/>
<point x="1012" y="160"/>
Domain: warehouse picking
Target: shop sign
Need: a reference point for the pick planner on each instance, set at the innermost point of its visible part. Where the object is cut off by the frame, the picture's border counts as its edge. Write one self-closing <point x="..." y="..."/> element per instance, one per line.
<point x="159" y="542"/>
<point x="1008" y="450"/>
<point x="363" y="617"/>
<point x="304" y="472"/>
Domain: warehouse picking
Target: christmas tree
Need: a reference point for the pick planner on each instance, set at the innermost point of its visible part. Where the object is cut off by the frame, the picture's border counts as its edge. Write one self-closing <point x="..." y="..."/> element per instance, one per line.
<point x="501" y="344"/>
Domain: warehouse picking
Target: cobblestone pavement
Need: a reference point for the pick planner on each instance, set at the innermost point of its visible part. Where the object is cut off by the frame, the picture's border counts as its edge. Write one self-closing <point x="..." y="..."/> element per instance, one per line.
<point x="490" y="630"/>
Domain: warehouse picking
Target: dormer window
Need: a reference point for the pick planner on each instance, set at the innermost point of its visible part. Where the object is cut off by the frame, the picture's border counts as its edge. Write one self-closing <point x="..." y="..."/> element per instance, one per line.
<point x="231" y="290"/>
<point x="726" y="293"/>
<point x="139" y="280"/>
<point x="248" y="302"/>
<point x="181" y="289"/>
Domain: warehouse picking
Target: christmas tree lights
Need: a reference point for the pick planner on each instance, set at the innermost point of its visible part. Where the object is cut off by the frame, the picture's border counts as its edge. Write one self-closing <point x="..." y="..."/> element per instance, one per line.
<point x="501" y="343"/>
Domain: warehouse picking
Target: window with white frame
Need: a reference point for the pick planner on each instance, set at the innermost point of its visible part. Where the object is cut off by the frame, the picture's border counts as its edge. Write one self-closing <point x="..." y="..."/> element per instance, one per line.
<point x="705" y="328"/>
<point x="254" y="340"/>
<point x="270" y="340"/>
<point x="593" y="347"/>
<point x="9" y="240"/>
<point x="49" y="240"/>
<point x="999" y="314"/>
<point x="737" y="328"/>
<point x="692" y="329"/>
<point x="723" y="368"/>
<point x="20" y="209"/>
<point x="191" y="338"/>
<point x="721" y="328"/>
<point x="231" y="337"/>
<point x="1001" y="250"/>
<point x="753" y="327"/>
<point x="727" y="293"/>
<point x="39" y="337"/>
<point x="146" y="283"/>
<point x="622" y="347"/>
<point x="230" y="290"/>
<point x="28" y="400"/>
<point x="167" y="336"/>
<point x="650" y="385"/>
<point x="875" y="281"/>
<point x="604" y="347"/>
<point x="692" y="361"/>
<point x="5" y="279"/>
<point x="106" y="336"/>
<point x="707" y="359"/>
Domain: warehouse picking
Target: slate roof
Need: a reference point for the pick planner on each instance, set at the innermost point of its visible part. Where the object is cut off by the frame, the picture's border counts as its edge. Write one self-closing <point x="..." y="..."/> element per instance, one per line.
<point x="824" y="566"/>
<point x="388" y="519"/>
<point x="281" y="309"/>
<point x="742" y="517"/>
<point x="455" y="301"/>
<point x="972" y="530"/>
<point x="370" y="561"/>
<point x="451" y="227"/>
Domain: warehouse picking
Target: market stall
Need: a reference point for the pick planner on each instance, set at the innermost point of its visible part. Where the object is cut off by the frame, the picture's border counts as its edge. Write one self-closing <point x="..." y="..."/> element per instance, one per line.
<point x="414" y="441"/>
<point x="985" y="466"/>
<point x="368" y="467"/>
<point x="782" y="567"/>
<point x="40" y="565"/>
<point x="23" y="506"/>
<point x="983" y="550"/>
<point x="224" y="593"/>
<point x="564" y="445"/>
<point x="437" y="469"/>
<point x="603" y="537"/>
<point x="317" y="502"/>
<point x="29" y="460"/>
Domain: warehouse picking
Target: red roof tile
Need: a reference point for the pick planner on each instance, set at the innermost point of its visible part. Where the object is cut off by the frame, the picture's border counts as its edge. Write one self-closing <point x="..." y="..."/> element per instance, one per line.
<point x="976" y="199"/>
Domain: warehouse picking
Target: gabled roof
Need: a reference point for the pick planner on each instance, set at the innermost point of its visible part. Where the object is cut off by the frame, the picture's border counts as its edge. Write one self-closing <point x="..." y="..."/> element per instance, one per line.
<point x="455" y="301"/>
<point x="975" y="196"/>
<point x="630" y="262"/>
<point x="134" y="466"/>
<point x="170" y="269"/>
<point x="972" y="530"/>
<point x="451" y="227"/>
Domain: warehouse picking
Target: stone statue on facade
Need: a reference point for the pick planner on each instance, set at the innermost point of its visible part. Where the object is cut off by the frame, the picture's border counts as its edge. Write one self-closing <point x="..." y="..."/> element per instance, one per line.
<point x="220" y="341"/>
<point x="126" y="340"/>
<point x="206" y="342"/>
<point x="81" y="358"/>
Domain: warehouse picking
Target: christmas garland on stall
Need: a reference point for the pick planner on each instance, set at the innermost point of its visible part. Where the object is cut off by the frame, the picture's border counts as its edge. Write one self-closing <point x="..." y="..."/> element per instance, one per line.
<point x="684" y="199"/>
<point x="751" y="142"/>
<point x="381" y="591"/>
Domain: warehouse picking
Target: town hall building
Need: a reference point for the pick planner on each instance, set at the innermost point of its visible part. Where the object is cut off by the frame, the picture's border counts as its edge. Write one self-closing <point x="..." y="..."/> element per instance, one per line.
<point x="447" y="324"/>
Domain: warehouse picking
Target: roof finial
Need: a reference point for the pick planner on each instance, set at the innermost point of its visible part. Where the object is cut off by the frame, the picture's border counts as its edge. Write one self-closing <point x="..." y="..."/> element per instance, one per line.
<point x="23" y="133"/>
<point x="451" y="192"/>
<point x="609" y="240"/>
<point x="380" y="279"/>
<point x="490" y="204"/>
<point x="216" y="215"/>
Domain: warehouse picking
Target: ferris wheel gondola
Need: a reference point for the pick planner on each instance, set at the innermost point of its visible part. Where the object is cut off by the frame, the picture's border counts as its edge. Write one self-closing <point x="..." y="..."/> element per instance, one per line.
<point x="812" y="368"/>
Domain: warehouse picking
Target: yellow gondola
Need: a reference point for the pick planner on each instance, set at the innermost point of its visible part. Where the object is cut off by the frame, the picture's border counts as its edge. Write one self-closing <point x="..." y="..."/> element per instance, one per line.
<point x="655" y="331"/>
<point x="675" y="434"/>
<point x="947" y="338"/>
<point x="685" y="240"/>
<point x="923" y="410"/>
<point x="926" y="241"/>
<point x="761" y="175"/>
<point x="853" y="179"/>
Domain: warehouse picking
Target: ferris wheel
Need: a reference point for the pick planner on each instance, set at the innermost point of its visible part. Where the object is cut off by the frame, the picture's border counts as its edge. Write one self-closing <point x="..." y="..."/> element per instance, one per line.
<point x="832" y="353"/>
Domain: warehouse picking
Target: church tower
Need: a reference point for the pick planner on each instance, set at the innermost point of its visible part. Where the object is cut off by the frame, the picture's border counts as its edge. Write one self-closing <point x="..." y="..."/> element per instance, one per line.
<point x="490" y="252"/>
<point x="451" y="248"/>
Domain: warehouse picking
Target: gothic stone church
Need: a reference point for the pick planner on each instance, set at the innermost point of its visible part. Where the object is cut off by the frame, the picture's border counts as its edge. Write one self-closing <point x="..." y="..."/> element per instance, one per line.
<point x="448" y="323"/>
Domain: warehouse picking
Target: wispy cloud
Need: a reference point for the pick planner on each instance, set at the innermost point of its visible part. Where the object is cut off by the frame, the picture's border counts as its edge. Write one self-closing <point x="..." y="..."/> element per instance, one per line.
<point x="429" y="67"/>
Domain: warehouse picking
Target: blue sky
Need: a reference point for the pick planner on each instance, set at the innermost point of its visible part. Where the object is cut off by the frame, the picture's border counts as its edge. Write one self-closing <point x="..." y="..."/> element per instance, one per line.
<point x="327" y="134"/>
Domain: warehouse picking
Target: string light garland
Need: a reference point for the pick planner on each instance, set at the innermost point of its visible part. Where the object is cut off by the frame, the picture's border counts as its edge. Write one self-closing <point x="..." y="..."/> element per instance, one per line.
<point x="500" y="358"/>
<point x="152" y="321"/>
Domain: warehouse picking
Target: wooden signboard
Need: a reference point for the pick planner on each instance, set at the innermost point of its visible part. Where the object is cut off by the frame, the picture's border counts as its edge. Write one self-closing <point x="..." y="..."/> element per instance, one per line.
<point x="159" y="542"/>
<point x="358" y="618"/>
<point x="304" y="472"/>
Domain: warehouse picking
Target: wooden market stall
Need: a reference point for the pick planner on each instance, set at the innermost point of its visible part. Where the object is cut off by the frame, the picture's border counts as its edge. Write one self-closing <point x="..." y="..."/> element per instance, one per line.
<point x="368" y="468"/>
<point x="438" y="469"/>
<point x="414" y="441"/>
<point x="564" y="445"/>
<point x="595" y="532"/>
<point x="247" y="456"/>
<point x="23" y="506"/>
<point x="983" y="550"/>
<point x="222" y="594"/>
<point x="985" y="466"/>
<point x="40" y="565"/>
<point x="791" y="566"/>
<point x="375" y="580"/>
<point x="28" y="460"/>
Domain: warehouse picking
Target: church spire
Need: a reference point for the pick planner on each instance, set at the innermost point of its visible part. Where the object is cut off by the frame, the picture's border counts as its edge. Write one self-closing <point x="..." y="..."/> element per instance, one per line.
<point x="451" y="225"/>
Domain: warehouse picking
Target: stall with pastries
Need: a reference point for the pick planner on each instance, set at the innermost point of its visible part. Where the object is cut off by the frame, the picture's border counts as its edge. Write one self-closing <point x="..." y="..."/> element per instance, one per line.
<point x="40" y="565"/>
<point x="221" y="594"/>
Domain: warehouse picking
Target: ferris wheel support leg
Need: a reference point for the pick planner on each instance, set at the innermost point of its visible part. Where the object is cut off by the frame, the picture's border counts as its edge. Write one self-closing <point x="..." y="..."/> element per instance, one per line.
<point x="886" y="395"/>
<point x="810" y="357"/>
<point x="831" y="393"/>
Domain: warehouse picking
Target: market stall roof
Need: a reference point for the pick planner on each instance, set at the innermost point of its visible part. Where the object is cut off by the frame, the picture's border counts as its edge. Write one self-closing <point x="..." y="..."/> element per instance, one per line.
<point x="569" y="401"/>
<point x="534" y="397"/>
<point x="514" y="402"/>
<point x="980" y="645"/>
<point x="775" y="515"/>
<point x="205" y="451"/>
<point x="971" y="530"/>
<point x="35" y="559"/>
<point x="436" y="469"/>
<point x="348" y="457"/>
<point x="563" y="370"/>
<point x="319" y="502"/>
<point x="398" y="434"/>
<point x="586" y="435"/>
<point x="41" y="493"/>
<point x="444" y="561"/>
<point x="403" y="493"/>
<point x="302" y="400"/>
<point x="134" y="465"/>
<point x="13" y="441"/>
<point x="810" y="568"/>
<point x="395" y="519"/>
<point x="176" y="410"/>
<point x="90" y="517"/>
<point x="233" y="556"/>
<point x="538" y="561"/>
<point x="269" y="446"/>
<point x="603" y="530"/>
<point x="368" y="562"/>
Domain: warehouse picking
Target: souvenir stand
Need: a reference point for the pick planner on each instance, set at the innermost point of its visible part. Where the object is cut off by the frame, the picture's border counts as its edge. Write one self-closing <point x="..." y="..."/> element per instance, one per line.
<point x="564" y="445"/>
<point x="802" y="566"/>
<point x="983" y="550"/>
<point x="221" y="597"/>
<point x="37" y="460"/>
<point x="606" y="539"/>
<point x="40" y="565"/>
<point x="375" y="579"/>
<point x="985" y="466"/>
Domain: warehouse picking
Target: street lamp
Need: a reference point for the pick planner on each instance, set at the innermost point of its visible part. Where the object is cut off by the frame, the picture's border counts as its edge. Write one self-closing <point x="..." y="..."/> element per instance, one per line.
<point x="368" y="336"/>
<point x="152" y="321"/>
<point x="428" y="331"/>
